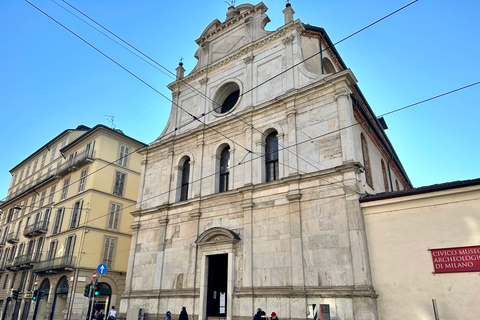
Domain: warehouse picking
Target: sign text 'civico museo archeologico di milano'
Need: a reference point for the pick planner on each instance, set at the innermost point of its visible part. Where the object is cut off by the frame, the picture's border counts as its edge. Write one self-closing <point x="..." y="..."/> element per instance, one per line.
<point x="461" y="259"/>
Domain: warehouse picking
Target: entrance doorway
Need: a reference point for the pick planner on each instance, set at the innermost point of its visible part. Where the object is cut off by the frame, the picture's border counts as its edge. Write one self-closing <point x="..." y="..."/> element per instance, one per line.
<point x="217" y="285"/>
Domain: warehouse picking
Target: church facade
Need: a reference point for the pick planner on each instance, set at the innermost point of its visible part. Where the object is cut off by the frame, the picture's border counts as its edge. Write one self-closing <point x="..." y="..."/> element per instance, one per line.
<point x="250" y="196"/>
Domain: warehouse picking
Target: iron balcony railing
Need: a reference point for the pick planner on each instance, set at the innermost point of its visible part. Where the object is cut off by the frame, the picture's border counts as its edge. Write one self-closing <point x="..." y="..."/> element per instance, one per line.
<point x="73" y="163"/>
<point x="13" y="237"/>
<point x="24" y="261"/>
<point x="29" y="185"/>
<point x="36" y="228"/>
<point x="55" y="264"/>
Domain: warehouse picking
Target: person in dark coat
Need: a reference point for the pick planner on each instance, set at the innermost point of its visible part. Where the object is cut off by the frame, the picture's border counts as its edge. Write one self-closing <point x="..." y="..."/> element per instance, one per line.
<point x="101" y="315"/>
<point x="183" y="314"/>
<point x="258" y="315"/>
<point x="168" y="316"/>
<point x="274" y="316"/>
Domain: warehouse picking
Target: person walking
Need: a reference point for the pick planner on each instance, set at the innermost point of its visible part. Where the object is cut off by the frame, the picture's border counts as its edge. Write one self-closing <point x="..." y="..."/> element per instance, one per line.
<point x="183" y="314"/>
<point x="274" y="316"/>
<point x="258" y="315"/>
<point x="168" y="316"/>
<point x="112" y="314"/>
<point x="101" y="315"/>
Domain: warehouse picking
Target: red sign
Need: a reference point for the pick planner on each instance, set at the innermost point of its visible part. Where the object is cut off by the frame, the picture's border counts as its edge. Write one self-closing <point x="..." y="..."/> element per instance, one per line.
<point x="35" y="283"/>
<point x="460" y="259"/>
<point x="94" y="276"/>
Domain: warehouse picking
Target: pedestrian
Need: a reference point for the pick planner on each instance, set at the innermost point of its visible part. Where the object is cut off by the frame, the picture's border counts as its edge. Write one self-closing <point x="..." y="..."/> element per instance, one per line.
<point x="183" y="314"/>
<point x="168" y="316"/>
<point x="274" y="316"/>
<point x="112" y="314"/>
<point x="101" y="315"/>
<point x="258" y="315"/>
<point x="263" y="315"/>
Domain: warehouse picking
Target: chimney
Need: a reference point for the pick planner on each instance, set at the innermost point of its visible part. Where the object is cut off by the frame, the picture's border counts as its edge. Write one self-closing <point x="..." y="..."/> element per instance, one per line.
<point x="288" y="12"/>
<point x="180" y="71"/>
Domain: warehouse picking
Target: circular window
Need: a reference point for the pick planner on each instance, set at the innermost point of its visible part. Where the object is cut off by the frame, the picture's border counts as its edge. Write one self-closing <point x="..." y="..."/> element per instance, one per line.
<point x="226" y="97"/>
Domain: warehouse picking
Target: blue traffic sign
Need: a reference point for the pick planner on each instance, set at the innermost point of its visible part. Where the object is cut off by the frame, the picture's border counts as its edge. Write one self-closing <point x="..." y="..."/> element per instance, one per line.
<point x="102" y="268"/>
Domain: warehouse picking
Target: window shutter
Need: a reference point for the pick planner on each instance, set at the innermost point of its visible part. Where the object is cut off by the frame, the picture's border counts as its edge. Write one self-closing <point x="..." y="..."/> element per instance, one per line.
<point x="116" y="216"/>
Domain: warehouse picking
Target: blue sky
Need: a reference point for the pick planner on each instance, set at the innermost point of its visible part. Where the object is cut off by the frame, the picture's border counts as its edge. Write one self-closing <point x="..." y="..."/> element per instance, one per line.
<point x="50" y="80"/>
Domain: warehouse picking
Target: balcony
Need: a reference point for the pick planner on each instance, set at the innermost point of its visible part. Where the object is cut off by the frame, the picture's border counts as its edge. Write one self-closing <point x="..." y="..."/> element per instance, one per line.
<point x="13" y="237"/>
<point x="10" y="265"/>
<point x="24" y="262"/>
<point x="29" y="186"/>
<point x="36" y="228"/>
<point x="54" y="265"/>
<point x="73" y="163"/>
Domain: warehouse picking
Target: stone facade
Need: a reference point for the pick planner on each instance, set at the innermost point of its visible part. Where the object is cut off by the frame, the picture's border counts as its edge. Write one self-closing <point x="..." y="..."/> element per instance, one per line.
<point x="280" y="243"/>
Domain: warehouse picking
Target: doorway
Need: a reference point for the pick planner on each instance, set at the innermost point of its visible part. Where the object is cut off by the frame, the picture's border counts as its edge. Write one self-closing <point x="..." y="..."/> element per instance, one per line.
<point x="217" y="285"/>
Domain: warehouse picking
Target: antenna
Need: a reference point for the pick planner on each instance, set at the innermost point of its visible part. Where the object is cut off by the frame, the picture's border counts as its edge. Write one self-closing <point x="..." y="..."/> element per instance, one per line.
<point x="111" y="119"/>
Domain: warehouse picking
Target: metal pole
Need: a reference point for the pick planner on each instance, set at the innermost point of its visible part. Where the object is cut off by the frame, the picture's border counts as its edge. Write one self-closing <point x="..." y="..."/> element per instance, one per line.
<point x="93" y="298"/>
<point x="435" y="310"/>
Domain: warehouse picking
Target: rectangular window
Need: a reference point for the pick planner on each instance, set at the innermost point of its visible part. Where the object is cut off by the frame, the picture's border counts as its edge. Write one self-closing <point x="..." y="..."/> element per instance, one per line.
<point x="52" y="250"/>
<point x="66" y="183"/>
<point x="44" y="157"/>
<point x="57" y="223"/>
<point x="14" y="179"/>
<point x="123" y="155"/>
<point x="32" y="204"/>
<point x="35" y="163"/>
<point x="64" y="142"/>
<point x="49" y="170"/>
<point x="21" y="175"/>
<point x="12" y="253"/>
<point x="38" y="251"/>
<point x="76" y="212"/>
<point x="89" y="149"/>
<point x="114" y="216"/>
<point x="119" y="183"/>
<point x="24" y="207"/>
<point x="13" y="280"/>
<point x="23" y="281"/>
<point x="52" y="193"/>
<point x="5" y="282"/>
<point x="52" y="155"/>
<point x="28" y="170"/>
<point x="83" y="180"/>
<point x="31" y="280"/>
<point x="69" y="246"/>
<point x="108" y="251"/>
<point x="42" y="198"/>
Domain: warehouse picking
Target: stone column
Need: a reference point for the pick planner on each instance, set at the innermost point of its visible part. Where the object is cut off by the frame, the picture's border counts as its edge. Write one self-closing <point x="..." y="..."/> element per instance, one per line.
<point x="281" y="155"/>
<point x="247" y="277"/>
<point x="247" y="162"/>
<point x="162" y="232"/>
<point x="298" y="279"/>
<point x="260" y="161"/>
<point x="289" y="77"/>
<point x="345" y="115"/>
<point x="197" y="180"/>
<point x="292" y="168"/>
<point x="248" y="98"/>
<point x="166" y="196"/>
<point x="231" y="169"/>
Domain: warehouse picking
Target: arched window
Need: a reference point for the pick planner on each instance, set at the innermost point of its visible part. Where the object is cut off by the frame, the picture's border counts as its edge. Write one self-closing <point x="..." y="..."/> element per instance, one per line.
<point x="328" y="66"/>
<point x="184" y="179"/>
<point x="271" y="156"/>
<point x="60" y="300"/>
<point x="366" y="160"/>
<point x="385" y="177"/>
<point x="224" y="169"/>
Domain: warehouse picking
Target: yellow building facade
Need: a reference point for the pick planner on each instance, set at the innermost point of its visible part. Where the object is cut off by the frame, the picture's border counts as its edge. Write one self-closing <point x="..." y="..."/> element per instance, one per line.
<point x="66" y="212"/>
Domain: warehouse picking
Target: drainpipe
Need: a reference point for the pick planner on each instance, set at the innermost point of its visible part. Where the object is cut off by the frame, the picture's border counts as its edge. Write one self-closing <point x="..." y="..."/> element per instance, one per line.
<point x="321" y="53"/>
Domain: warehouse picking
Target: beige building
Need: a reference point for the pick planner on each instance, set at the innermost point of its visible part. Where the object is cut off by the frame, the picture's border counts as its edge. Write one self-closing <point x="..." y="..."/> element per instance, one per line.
<point x="404" y="229"/>
<point x="66" y="212"/>
<point x="250" y="196"/>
